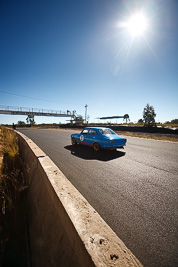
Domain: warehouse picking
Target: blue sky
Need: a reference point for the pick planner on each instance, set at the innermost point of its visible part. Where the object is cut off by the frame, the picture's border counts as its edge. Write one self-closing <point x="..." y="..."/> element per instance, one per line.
<point x="64" y="54"/>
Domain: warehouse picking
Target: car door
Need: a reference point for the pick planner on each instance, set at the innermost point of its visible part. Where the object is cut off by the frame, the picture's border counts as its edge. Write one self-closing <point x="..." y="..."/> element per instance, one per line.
<point x="84" y="137"/>
<point x="91" y="137"/>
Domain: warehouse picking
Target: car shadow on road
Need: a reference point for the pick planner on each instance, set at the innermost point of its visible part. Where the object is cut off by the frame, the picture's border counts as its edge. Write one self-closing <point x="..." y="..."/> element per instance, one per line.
<point x="88" y="153"/>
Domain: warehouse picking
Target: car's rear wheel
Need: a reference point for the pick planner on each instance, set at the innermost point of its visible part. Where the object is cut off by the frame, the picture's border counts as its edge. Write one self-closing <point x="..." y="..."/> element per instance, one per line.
<point x="74" y="141"/>
<point x="96" y="147"/>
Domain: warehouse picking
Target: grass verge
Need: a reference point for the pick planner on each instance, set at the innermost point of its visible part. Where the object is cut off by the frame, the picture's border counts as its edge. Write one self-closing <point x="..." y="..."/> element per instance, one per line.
<point x="12" y="204"/>
<point x="150" y="136"/>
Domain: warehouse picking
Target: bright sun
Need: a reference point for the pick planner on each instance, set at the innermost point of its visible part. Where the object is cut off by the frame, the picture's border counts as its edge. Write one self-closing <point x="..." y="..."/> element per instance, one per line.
<point x="137" y="24"/>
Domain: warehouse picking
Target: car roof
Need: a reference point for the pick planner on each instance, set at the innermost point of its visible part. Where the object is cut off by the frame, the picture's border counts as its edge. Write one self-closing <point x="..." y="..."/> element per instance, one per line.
<point x="96" y="128"/>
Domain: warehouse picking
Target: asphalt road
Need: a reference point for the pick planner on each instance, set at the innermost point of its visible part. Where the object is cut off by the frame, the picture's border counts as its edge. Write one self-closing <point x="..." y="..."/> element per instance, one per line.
<point x="135" y="190"/>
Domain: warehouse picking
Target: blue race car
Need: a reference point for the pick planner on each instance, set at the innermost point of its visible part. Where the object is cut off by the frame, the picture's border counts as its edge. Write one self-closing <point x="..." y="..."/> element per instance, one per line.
<point x="98" y="137"/>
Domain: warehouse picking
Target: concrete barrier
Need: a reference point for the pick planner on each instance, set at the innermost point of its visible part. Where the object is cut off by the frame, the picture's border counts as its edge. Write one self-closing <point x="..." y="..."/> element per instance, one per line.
<point x="64" y="230"/>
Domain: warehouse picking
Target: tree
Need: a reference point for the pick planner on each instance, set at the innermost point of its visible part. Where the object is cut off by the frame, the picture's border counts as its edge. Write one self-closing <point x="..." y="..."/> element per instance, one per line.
<point x="126" y="117"/>
<point x="140" y="121"/>
<point x="175" y="121"/>
<point x="21" y="123"/>
<point x="30" y="119"/>
<point x="149" y="115"/>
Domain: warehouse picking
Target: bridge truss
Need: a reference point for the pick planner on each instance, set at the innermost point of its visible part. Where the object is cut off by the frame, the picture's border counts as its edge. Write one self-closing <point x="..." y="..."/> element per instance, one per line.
<point x="10" y="110"/>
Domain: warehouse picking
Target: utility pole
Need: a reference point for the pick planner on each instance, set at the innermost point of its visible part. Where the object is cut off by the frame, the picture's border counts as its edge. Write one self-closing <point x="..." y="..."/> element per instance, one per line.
<point x="86" y="113"/>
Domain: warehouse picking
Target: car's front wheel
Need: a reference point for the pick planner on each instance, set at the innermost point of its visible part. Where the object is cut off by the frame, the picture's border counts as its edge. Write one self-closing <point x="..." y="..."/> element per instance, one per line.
<point x="73" y="141"/>
<point x="96" y="147"/>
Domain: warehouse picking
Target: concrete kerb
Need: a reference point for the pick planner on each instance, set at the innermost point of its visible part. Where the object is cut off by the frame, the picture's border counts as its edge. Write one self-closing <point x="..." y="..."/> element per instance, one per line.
<point x="91" y="240"/>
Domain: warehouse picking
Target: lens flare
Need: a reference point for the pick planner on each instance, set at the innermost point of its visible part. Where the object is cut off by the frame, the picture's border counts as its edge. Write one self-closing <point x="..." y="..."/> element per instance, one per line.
<point x="137" y="24"/>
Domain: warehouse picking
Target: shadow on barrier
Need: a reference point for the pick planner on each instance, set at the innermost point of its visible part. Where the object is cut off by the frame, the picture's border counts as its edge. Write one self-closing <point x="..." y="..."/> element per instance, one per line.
<point x="88" y="153"/>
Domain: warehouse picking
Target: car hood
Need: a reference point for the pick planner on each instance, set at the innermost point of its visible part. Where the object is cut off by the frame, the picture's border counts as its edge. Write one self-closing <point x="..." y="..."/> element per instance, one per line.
<point x="75" y="134"/>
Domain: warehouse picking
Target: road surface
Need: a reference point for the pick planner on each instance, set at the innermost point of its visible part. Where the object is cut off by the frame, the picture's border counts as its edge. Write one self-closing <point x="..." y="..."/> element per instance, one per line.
<point x="135" y="190"/>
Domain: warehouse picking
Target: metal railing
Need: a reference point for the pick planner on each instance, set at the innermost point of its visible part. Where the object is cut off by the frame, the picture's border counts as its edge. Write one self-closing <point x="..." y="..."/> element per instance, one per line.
<point x="14" y="110"/>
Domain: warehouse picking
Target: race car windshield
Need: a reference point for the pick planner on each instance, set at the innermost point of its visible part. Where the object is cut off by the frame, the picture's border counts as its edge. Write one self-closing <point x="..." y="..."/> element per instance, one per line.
<point x="107" y="132"/>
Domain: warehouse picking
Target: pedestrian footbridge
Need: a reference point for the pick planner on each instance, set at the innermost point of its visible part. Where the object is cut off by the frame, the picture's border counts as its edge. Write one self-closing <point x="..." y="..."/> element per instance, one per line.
<point x="11" y="110"/>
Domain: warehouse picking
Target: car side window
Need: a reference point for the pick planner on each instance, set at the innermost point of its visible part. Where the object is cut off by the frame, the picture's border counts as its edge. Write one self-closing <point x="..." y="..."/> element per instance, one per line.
<point x="85" y="131"/>
<point x="92" y="132"/>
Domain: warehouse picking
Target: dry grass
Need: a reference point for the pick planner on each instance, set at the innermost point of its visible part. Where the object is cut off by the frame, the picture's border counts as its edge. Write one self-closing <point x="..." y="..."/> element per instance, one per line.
<point x="11" y="178"/>
<point x="9" y="142"/>
<point x="11" y="185"/>
<point x="150" y="136"/>
<point x="1" y="153"/>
